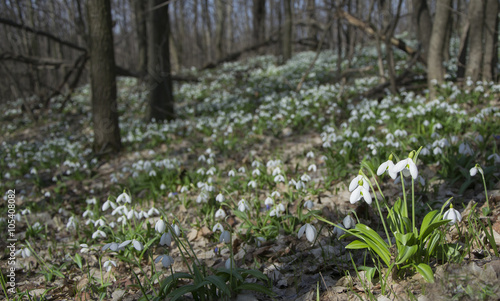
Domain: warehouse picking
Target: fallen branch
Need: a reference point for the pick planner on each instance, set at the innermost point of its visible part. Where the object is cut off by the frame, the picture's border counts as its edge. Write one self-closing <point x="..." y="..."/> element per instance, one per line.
<point x="367" y="28"/>
<point x="36" y="61"/>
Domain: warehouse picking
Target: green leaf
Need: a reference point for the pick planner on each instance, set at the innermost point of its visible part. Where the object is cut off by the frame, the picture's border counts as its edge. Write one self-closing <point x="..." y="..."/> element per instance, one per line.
<point x="357" y="245"/>
<point x="431" y="221"/>
<point x="426" y="272"/>
<point x="405" y="239"/>
<point x="221" y="285"/>
<point x="256" y="287"/>
<point x="406" y="253"/>
<point x="181" y="291"/>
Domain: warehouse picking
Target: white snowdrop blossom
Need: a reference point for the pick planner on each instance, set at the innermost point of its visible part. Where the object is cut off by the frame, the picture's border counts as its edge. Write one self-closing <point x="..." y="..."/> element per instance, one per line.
<point x="361" y="192"/>
<point x="275" y="194"/>
<point x="217" y="227"/>
<point x="473" y="171"/>
<point x="310" y="154"/>
<point x="231" y="173"/>
<point x="407" y="164"/>
<point x="310" y="231"/>
<point x="312" y="168"/>
<point x="99" y="223"/>
<point x="166" y="260"/>
<point x="71" y="223"/>
<point x="166" y="239"/>
<point x="220" y="214"/>
<point x="465" y="149"/>
<point x="225" y="237"/>
<point x="124" y="197"/>
<point x="268" y="202"/>
<point x="279" y="178"/>
<point x="387" y="166"/>
<point x="278" y="210"/>
<point x="242" y="205"/>
<point x="453" y="215"/>
<point x="91" y="201"/>
<point x="308" y="204"/>
<point x="98" y="233"/>
<point x="108" y="265"/>
<point x="305" y="178"/>
<point x="220" y="198"/>
<point x="349" y="222"/>
<point x="356" y="182"/>
<point x="256" y="172"/>
<point x="276" y="171"/>
<point x="252" y="184"/>
<point x="242" y="169"/>
<point x="108" y="204"/>
<point x="160" y="226"/>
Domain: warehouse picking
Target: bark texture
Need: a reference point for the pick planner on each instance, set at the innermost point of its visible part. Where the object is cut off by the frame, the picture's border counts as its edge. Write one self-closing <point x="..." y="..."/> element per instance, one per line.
<point x="161" y="99"/>
<point x="102" y="78"/>
<point x="287" y="31"/>
<point x="476" y="19"/>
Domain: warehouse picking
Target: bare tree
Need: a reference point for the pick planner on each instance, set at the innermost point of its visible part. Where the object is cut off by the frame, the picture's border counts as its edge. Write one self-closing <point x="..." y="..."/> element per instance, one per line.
<point x="142" y="39"/>
<point x="102" y="77"/>
<point x="287" y="31"/>
<point x="435" y="70"/>
<point x="476" y="19"/>
<point x="490" y="31"/>
<point x="423" y="24"/>
<point x="161" y="99"/>
<point x="219" y="29"/>
<point x="259" y="17"/>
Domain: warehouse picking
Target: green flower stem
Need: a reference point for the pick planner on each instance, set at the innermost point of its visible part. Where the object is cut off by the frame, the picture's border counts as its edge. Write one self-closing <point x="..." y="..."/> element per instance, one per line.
<point x="405" y="211"/>
<point x="413" y="202"/>
<point x="485" y="192"/>
<point x="379" y="211"/>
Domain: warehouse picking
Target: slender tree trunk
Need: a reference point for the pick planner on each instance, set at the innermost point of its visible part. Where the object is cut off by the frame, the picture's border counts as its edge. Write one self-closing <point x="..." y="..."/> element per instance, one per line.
<point x="287" y="31"/>
<point x="259" y="18"/>
<point x="102" y="78"/>
<point x="423" y="24"/>
<point x="141" y="31"/>
<point x="476" y="19"/>
<point x="219" y="30"/>
<point x="490" y="31"/>
<point x="161" y="99"/>
<point x="435" y="70"/>
<point x="207" y="33"/>
<point x="229" y="25"/>
<point x="312" y="31"/>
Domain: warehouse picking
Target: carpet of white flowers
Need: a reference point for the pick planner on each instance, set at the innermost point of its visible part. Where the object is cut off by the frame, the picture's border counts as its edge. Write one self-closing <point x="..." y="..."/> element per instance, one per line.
<point x="227" y="195"/>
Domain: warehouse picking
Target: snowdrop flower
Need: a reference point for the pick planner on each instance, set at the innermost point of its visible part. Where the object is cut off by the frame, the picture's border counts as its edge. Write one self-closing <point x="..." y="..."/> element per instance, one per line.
<point x="495" y="157"/>
<point x="71" y="223"/>
<point x="165" y="260"/>
<point x="242" y="169"/>
<point x="308" y="204"/>
<point x="252" y="184"/>
<point x="91" y="201"/>
<point x="349" y="222"/>
<point x="225" y="237"/>
<point x="85" y="248"/>
<point x="310" y="154"/>
<point x="276" y="171"/>
<point x="310" y="231"/>
<point x="88" y="213"/>
<point x="338" y="232"/>
<point x="220" y="198"/>
<point x="356" y="182"/>
<point x="255" y="172"/>
<point x="305" y="178"/>
<point x="108" y="204"/>
<point x="312" y="168"/>
<point x="25" y="252"/>
<point x="166" y="239"/>
<point x="278" y="210"/>
<point x="98" y="233"/>
<point x="361" y="191"/>
<point x="230" y="263"/>
<point x="153" y="211"/>
<point x="47" y="194"/>
<point x="407" y="164"/>
<point x="27" y="211"/>
<point x="108" y="265"/>
<point x="124" y="197"/>
<point x="152" y="173"/>
<point x="231" y="173"/>
<point x="177" y="230"/>
<point x="99" y="223"/>
<point x="137" y="244"/>
<point x="473" y="171"/>
<point x="220" y="214"/>
<point x="387" y="166"/>
<point x="202" y="197"/>
<point x="242" y="205"/>
<point x="268" y="202"/>
<point x="217" y="227"/>
<point x="163" y="187"/>
<point x="465" y="149"/>
<point x="275" y="194"/>
<point x="453" y="215"/>
<point x="299" y="185"/>
<point x="437" y="151"/>
<point x="160" y="226"/>
<point x="279" y="178"/>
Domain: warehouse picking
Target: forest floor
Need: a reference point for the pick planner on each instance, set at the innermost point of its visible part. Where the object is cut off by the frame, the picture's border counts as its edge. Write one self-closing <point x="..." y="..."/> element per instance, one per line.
<point x="244" y="133"/>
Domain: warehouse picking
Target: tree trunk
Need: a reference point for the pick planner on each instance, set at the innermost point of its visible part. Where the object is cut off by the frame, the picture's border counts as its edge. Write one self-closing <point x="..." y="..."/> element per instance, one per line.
<point x="423" y="24"/>
<point x="207" y="33"/>
<point x="102" y="78"/>
<point x="142" y="40"/>
<point x="435" y="69"/>
<point x="287" y="31"/>
<point x="229" y="25"/>
<point x="219" y="30"/>
<point x="161" y="99"/>
<point x="259" y="18"/>
<point x="490" y="31"/>
<point x="476" y="18"/>
<point x="312" y="31"/>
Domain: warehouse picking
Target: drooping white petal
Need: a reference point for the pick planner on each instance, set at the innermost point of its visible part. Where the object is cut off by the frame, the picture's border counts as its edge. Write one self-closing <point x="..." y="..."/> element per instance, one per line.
<point x="354" y="183"/>
<point x="366" y="195"/>
<point x="413" y="169"/>
<point x="473" y="171"/>
<point x="137" y="245"/>
<point x="355" y="195"/>
<point x="349" y="222"/>
<point x="301" y="231"/>
<point x="310" y="233"/>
